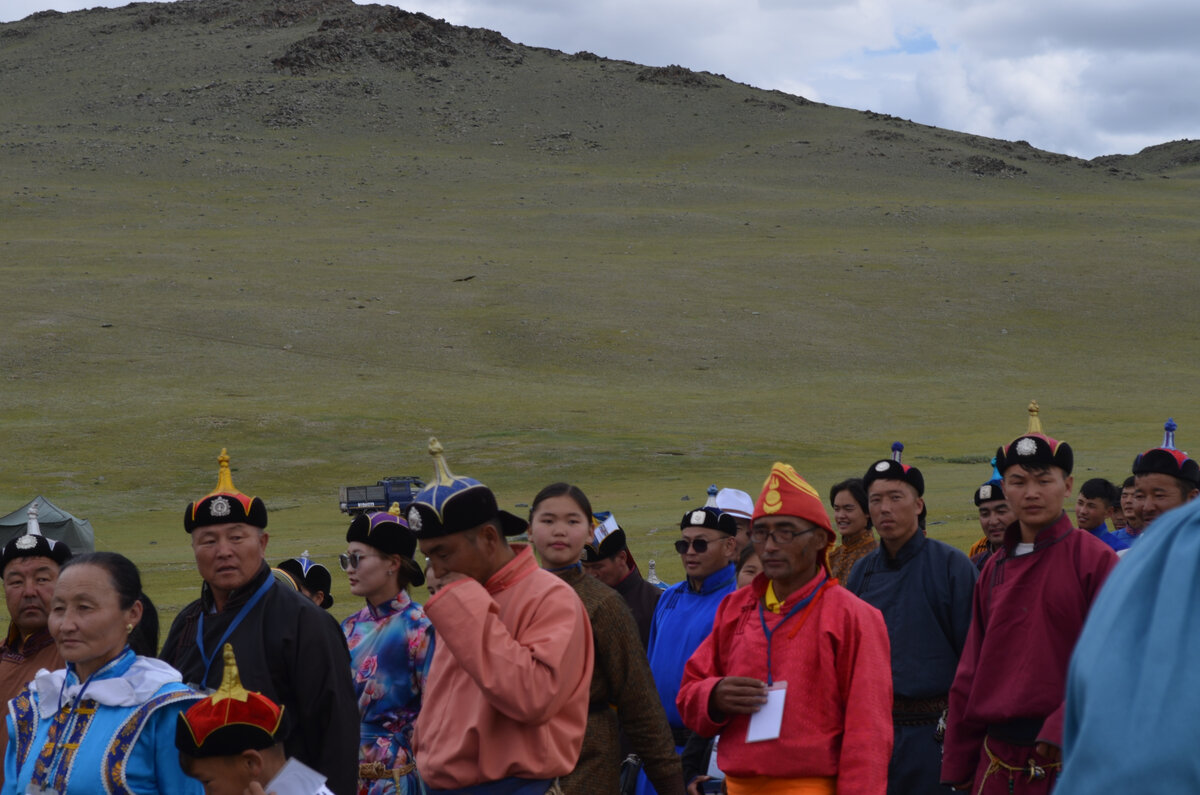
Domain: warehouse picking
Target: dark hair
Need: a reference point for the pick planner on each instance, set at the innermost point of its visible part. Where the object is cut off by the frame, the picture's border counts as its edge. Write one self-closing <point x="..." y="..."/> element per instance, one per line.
<point x="1129" y="483"/>
<point x="855" y="487"/>
<point x="1100" y="489"/>
<point x="127" y="582"/>
<point x="562" y="490"/>
<point x="744" y="556"/>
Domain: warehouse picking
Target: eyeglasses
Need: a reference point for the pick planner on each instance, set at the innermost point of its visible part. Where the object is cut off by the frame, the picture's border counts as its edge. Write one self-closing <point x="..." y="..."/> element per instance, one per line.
<point x="759" y="535"/>
<point x="698" y="544"/>
<point x="351" y="560"/>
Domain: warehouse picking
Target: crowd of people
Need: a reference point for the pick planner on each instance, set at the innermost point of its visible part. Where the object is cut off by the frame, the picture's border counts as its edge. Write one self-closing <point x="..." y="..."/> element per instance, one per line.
<point x="544" y="662"/>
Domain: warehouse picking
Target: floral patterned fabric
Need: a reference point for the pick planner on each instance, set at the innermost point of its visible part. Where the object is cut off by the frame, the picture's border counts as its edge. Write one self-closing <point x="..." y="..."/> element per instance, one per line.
<point x="391" y="646"/>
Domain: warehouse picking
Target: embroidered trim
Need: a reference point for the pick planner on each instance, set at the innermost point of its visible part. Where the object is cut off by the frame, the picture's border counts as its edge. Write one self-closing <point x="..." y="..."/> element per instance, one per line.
<point x="25" y="719"/>
<point x="116" y="755"/>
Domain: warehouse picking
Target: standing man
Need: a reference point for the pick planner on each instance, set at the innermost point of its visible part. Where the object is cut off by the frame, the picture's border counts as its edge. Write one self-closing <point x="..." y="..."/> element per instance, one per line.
<point x="1096" y="501"/>
<point x="29" y="567"/>
<point x="1164" y="478"/>
<point x="506" y="702"/>
<point x="853" y="519"/>
<point x="794" y="676"/>
<point x="923" y="588"/>
<point x="684" y="616"/>
<point x="287" y="647"/>
<point x="1004" y="730"/>
<point x="994" y="519"/>
<point x="607" y="558"/>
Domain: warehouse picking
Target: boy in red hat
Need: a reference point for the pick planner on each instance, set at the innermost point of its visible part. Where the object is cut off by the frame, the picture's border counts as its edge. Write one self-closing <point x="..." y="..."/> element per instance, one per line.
<point x="795" y="677"/>
<point x="231" y="743"/>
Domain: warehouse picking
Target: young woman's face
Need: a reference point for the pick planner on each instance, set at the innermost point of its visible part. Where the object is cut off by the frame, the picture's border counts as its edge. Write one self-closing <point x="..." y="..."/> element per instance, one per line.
<point x="559" y="529"/>
<point x="374" y="576"/>
<point x="750" y="570"/>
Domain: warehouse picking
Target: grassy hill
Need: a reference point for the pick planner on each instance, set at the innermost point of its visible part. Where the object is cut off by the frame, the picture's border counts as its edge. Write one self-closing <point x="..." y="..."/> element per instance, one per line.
<point x="317" y="233"/>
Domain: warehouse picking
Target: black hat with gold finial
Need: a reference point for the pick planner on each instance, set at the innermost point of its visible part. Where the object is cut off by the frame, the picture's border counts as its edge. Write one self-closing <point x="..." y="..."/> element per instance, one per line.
<point x="225" y="504"/>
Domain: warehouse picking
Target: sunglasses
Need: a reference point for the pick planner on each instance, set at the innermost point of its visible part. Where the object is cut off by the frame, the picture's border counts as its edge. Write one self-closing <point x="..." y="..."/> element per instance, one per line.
<point x="351" y="560"/>
<point x="698" y="544"/>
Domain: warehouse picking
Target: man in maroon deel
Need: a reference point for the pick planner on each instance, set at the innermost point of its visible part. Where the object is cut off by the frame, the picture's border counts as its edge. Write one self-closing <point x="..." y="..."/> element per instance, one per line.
<point x="1004" y="730"/>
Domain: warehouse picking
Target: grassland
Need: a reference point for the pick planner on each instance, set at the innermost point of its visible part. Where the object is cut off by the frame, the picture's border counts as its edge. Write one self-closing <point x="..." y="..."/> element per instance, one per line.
<point x="317" y="234"/>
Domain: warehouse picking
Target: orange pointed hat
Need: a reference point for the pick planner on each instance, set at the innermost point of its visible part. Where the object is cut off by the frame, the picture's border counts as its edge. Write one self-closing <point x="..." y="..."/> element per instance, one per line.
<point x="229" y="721"/>
<point x="785" y="493"/>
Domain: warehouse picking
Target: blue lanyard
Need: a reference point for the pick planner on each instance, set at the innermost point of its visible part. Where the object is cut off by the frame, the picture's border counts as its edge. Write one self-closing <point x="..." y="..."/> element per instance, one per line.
<point x="250" y="603"/>
<point x="795" y="609"/>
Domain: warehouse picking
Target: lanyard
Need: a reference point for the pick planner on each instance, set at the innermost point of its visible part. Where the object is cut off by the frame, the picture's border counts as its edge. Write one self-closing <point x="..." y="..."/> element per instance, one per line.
<point x="250" y="603"/>
<point x="60" y="742"/>
<point x="795" y="609"/>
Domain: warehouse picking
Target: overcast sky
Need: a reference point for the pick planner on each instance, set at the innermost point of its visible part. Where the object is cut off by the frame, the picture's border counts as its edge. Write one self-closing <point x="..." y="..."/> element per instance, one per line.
<point x="1083" y="77"/>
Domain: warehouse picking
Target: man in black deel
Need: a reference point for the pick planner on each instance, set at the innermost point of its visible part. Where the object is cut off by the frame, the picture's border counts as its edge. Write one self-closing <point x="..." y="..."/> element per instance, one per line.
<point x="286" y="646"/>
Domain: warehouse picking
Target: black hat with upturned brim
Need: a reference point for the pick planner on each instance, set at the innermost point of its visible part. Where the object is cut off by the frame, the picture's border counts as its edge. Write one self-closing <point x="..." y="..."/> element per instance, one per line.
<point x="712" y="518"/>
<point x="611" y="544"/>
<point x="1167" y="461"/>
<point x="314" y="577"/>
<point x="1035" y="450"/>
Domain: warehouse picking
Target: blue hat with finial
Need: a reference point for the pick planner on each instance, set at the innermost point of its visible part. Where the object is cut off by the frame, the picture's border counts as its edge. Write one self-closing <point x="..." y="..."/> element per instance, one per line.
<point x="1167" y="460"/>
<point x="895" y="469"/>
<point x="452" y="504"/>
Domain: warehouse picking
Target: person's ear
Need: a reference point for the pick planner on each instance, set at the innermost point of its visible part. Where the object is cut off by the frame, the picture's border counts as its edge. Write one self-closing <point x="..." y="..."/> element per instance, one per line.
<point x="253" y="761"/>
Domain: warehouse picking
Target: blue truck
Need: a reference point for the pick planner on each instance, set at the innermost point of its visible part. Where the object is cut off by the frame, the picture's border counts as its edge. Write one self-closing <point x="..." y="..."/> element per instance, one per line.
<point x="379" y="497"/>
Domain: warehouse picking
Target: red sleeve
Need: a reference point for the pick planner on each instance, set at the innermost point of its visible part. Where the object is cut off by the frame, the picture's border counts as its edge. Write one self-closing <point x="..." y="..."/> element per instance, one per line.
<point x="864" y="669"/>
<point x="964" y="739"/>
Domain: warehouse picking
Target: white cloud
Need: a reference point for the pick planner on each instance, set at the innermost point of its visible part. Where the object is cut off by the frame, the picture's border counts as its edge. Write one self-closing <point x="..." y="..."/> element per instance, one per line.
<point x="1085" y="77"/>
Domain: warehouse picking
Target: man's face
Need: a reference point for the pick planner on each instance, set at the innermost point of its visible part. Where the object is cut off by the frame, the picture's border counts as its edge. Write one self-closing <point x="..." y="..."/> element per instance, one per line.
<point x="718" y="549"/>
<point x="610" y="571"/>
<point x="1090" y="512"/>
<point x="1158" y="494"/>
<point x="742" y="537"/>
<point x="895" y="509"/>
<point x="1036" y="498"/>
<point x="228" y="555"/>
<point x="28" y="587"/>
<point x="848" y="516"/>
<point x="793" y="561"/>
<point x="1128" y="517"/>
<point x="994" y="518"/>
<point x="463" y="553"/>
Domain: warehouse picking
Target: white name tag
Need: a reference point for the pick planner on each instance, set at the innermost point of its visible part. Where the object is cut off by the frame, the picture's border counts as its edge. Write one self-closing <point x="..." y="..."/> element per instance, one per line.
<point x="767" y="722"/>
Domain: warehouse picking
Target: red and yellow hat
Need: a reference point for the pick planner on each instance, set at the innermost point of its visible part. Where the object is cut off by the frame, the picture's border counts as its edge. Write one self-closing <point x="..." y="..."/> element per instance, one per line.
<point x="225" y="504"/>
<point x="229" y="721"/>
<point x="785" y="493"/>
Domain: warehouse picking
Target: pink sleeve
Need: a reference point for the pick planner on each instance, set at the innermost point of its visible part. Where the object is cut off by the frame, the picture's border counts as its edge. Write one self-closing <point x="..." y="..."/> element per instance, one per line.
<point x="864" y="666"/>
<point x="527" y="678"/>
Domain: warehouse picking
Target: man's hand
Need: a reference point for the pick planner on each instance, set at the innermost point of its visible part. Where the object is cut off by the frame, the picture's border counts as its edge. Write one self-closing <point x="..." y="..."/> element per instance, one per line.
<point x="694" y="787"/>
<point x="963" y="785"/>
<point x="737" y="695"/>
<point x="451" y="576"/>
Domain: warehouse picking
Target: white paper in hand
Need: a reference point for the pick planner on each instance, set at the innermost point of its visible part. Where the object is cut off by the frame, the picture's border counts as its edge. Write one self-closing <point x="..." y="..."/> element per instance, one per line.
<point x="767" y="722"/>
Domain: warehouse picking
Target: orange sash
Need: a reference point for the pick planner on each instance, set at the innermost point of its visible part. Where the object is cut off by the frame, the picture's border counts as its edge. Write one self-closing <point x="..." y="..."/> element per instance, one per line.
<point x="765" y="785"/>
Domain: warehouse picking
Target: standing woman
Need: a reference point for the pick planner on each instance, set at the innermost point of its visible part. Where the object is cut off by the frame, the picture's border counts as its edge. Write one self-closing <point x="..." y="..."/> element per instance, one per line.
<point x="106" y="723"/>
<point x="391" y="646"/>
<point x="622" y="692"/>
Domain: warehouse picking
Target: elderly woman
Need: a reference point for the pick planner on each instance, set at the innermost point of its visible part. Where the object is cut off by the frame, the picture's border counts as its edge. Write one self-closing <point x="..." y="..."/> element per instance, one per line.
<point x="391" y="646"/>
<point x="106" y="723"/>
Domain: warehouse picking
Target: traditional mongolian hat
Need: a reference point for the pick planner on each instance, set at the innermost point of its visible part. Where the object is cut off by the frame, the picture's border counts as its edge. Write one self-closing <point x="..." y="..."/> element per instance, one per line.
<point x="451" y="504"/>
<point x="33" y="544"/>
<point x="225" y="504"/>
<point x="785" y="493"/>
<point x="1167" y="460"/>
<point x="230" y="721"/>
<point x="313" y="576"/>
<point x="608" y="538"/>
<point x="992" y="490"/>
<point x="388" y="532"/>
<point x="895" y="469"/>
<point x="710" y="517"/>
<point x="1035" y="449"/>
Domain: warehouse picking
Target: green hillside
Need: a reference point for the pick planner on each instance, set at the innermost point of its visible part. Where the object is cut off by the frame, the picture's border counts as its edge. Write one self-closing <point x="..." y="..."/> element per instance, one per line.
<point x="318" y="233"/>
